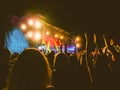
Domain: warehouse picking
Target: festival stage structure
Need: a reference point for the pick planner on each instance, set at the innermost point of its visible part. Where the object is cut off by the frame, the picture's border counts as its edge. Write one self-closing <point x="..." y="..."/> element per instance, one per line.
<point x="32" y="30"/>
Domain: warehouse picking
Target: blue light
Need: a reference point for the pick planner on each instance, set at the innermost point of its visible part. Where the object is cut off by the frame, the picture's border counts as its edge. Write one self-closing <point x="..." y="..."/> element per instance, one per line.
<point x="15" y="41"/>
<point x="71" y="48"/>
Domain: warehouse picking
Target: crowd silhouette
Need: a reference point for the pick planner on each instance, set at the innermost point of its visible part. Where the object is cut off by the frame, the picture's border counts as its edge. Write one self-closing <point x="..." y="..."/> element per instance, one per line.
<point x="93" y="67"/>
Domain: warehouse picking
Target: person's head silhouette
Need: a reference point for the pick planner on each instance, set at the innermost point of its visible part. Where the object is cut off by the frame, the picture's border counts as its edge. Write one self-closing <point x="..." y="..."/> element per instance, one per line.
<point x="30" y="72"/>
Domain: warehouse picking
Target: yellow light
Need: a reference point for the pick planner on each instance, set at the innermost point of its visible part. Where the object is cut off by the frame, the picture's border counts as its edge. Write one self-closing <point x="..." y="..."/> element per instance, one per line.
<point x="30" y="22"/>
<point x="37" y="35"/>
<point x="23" y="27"/>
<point x="56" y="35"/>
<point x="78" y="38"/>
<point x="29" y="34"/>
<point x="47" y="33"/>
<point x="78" y="45"/>
<point x="38" y="24"/>
<point x="61" y="37"/>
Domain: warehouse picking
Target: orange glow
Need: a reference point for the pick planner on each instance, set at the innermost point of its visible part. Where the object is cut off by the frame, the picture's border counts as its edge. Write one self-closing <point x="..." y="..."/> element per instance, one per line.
<point x="78" y="45"/>
<point x="78" y="38"/>
<point x="61" y="37"/>
<point x="30" y="22"/>
<point x="56" y="35"/>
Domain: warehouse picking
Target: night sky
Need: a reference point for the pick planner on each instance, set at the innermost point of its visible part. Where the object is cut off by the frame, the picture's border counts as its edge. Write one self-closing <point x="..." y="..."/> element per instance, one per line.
<point x="71" y="15"/>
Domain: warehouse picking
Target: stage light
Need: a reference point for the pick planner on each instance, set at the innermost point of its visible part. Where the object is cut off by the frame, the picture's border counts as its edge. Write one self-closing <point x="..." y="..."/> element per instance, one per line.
<point x="40" y="48"/>
<point x="78" y="45"/>
<point x="38" y="24"/>
<point x="56" y="35"/>
<point x="61" y="37"/>
<point x="37" y="35"/>
<point x="71" y="48"/>
<point x="47" y="33"/>
<point x="30" y="22"/>
<point x="23" y="27"/>
<point x="30" y="34"/>
<point x="78" y="38"/>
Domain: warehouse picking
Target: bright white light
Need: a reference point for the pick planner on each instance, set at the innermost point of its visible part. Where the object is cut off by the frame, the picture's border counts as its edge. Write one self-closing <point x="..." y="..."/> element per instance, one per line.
<point x="40" y="47"/>
<point x="30" y="34"/>
<point x="37" y="35"/>
<point x="38" y="24"/>
<point x="23" y="27"/>
<point x="30" y="22"/>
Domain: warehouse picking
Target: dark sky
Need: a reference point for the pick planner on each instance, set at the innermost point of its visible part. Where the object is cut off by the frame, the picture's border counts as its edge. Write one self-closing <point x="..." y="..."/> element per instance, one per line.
<point x="72" y="15"/>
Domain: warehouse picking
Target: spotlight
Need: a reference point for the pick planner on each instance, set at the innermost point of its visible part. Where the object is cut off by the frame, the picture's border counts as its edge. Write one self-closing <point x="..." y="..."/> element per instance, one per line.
<point x="37" y="35"/>
<point x="23" y="27"/>
<point x="29" y="34"/>
<point x="78" y="45"/>
<point x="38" y="24"/>
<point x="47" y="33"/>
<point x="30" y="22"/>
<point x="56" y="35"/>
<point x="61" y="37"/>
<point x="78" y="38"/>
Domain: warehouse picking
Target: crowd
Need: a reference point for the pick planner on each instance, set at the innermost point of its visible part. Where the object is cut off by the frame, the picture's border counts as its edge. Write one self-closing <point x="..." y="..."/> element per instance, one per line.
<point x="87" y="69"/>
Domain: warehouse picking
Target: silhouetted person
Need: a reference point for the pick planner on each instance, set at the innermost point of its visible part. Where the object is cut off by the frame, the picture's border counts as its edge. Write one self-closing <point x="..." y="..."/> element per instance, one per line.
<point x="4" y="66"/>
<point x="80" y="76"/>
<point x="30" y="72"/>
<point x="14" y="57"/>
<point x="50" y="57"/>
<point x="102" y="72"/>
<point x="115" y="65"/>
<point x="62" y="73"/>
